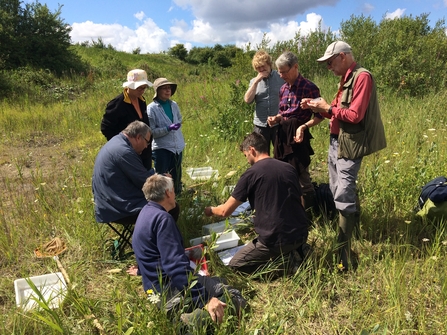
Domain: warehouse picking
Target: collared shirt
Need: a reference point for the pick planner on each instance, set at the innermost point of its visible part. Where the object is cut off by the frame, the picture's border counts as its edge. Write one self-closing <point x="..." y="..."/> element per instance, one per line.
<point x="359" y="103"/>
<point x="290" y="99"/>
<point x="266" y="98"/>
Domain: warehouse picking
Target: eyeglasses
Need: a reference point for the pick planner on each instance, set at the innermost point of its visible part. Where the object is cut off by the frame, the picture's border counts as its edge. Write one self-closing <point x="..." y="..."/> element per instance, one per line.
<point x="285" y="72"/>
<point x="147" y="141"/>
<point x="329" y="62"/>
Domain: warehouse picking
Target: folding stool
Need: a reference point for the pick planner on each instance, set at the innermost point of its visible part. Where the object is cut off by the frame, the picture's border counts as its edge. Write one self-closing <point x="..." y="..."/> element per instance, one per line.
<point x="124" y="237"/>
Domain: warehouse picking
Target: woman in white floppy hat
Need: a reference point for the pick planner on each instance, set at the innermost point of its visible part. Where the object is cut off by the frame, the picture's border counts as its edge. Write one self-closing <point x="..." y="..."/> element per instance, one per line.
<point x="127" y="107"/>
<point x="166" y="120"/>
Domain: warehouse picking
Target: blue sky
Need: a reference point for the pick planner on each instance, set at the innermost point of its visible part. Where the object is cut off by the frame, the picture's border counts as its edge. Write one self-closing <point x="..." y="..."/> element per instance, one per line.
<point x="156" y="25"/>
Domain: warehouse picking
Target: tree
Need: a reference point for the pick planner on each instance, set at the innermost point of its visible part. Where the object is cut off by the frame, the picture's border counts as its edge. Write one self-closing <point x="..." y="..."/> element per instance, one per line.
<point x="179" y="51"/>
<point x="32" y="35"/>
<point x="10" y="12"/>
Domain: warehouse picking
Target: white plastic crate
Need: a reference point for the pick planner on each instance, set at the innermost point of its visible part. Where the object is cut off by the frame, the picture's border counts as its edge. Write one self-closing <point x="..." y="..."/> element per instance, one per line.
<point x="224" y="240"/>
<point x="202" y="173"/>
<point x="52" y="286"/>
<point x="219" y="227"/>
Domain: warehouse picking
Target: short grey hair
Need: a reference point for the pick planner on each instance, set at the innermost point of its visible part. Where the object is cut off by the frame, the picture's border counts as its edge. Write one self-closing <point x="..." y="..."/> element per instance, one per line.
<point x="155" y="187"/>
<point x="286" y="59"/>
<point x="136" y="128"/>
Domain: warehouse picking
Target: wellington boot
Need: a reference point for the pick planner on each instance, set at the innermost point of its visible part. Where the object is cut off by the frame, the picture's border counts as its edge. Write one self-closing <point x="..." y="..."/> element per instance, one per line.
<point x="346" y="225"/>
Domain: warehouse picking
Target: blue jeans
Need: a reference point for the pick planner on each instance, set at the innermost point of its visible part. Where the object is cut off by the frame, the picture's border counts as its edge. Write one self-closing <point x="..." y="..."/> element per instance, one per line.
<point x="166" y="161"/>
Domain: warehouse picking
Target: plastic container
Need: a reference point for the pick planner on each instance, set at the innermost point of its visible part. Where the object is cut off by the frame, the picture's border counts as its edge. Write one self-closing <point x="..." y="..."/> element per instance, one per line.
<point x="195" y="255"/>
<point x="202" y="173"/>
<point x="52" y="286"/>
<point x="219" y="227"/>
<point x="224" y="240"/>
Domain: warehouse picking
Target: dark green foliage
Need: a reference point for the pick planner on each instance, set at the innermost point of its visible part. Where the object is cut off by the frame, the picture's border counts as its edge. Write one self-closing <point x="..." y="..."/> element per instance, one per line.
<point x="179" y="51"/>
<point x="405" y="54"/>
<point x="34" y="36"/>
<point x="235" y="117"/>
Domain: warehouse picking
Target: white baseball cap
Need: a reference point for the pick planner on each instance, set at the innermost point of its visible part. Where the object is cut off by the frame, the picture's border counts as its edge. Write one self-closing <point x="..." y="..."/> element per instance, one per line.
<point x="334" y="49"/>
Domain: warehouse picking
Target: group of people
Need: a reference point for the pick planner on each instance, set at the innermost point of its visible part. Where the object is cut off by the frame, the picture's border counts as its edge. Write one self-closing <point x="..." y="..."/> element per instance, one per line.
<point x="284" y="113"/>
<point x="128" y="190"/>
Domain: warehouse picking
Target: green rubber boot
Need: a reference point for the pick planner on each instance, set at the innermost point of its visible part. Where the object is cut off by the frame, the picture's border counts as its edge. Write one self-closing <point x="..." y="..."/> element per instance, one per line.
<point x="346" y="225"/>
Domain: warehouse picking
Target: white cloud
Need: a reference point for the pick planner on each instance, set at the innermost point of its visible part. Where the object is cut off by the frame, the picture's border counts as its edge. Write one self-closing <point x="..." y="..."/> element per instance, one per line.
<point x="152" y="39"/>
<point x="202" y="32"/>
<point x="396" y="14"/>
<point x="140" y="15"/>
<point x="148" y="36"/>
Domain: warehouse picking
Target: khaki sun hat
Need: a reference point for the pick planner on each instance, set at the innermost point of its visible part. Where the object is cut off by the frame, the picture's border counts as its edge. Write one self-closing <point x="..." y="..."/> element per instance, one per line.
<point x="161" y="82"/>
<point x="136" y="78"/>
<point x="334" y="49"/>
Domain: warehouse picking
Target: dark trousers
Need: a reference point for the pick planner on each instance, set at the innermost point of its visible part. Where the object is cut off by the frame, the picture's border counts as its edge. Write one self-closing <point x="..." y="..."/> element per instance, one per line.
<point x="166" y="161"/>
<point x="256" y="255"/>
<point x="269" y="134"/>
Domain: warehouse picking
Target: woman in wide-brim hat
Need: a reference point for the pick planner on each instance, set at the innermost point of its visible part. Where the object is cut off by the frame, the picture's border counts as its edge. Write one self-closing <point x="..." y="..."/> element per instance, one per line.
<point x="127" y="107"/>
<point x="166" y="120"/>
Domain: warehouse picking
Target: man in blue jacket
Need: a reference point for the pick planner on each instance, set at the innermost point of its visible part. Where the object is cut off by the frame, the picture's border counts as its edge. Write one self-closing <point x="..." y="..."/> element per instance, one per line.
<point x="163" y="264"/>
<point x="119" y="175"/>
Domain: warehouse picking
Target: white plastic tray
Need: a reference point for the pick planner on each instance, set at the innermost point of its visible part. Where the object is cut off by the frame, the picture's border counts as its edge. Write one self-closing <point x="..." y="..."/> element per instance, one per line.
<point x="224" y="240"/>
<point x="202" y="173"/>
<point x="52" y="286"/>
<point x="219" y="227"/>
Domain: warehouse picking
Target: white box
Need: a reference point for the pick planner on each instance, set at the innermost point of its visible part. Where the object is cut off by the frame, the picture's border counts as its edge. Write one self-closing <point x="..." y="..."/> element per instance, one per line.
<point x="202" y="173"/>
<point x="224" y="240"/>
<point x="52" y="286"/>
<point x="219" y="227"/>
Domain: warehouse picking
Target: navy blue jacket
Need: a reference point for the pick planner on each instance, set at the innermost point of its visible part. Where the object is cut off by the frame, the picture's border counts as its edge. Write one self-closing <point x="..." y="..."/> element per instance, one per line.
<point x="158" y="247"/>
<point x="118" y="179"/>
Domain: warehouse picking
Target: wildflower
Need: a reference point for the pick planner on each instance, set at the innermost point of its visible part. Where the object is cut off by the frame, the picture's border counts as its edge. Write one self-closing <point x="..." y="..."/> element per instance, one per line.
<point x="407" y="221"/>
<point x="425" y="239"/>
<point x="435" y="258"/>
<point x="154" y="298"/>
<point x="387" y="161"/>
<point x="444" y="242"/>
<point x="432" y="129"/>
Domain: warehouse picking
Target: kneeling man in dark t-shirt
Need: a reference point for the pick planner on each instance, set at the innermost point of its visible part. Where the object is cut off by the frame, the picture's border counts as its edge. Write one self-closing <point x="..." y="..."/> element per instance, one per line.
<point x="272" y="188"/>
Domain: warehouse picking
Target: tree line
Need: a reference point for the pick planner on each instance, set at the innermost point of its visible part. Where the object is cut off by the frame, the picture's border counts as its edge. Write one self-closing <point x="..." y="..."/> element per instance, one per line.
<point x="405" y="55"/>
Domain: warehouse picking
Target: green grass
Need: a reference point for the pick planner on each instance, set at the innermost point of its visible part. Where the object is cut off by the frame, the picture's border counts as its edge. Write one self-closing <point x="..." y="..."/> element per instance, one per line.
<point x="47" y="150"/>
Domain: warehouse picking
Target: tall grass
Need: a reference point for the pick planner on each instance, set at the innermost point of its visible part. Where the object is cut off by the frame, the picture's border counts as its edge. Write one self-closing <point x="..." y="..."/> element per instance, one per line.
<point x="48" y="148"/>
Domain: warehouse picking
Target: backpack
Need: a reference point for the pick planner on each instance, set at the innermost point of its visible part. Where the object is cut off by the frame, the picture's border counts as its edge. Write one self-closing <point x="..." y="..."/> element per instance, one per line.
<point x="432" y="202"/>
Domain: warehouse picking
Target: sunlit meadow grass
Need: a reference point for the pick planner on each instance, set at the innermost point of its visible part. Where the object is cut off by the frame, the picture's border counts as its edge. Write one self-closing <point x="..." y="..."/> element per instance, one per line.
<point x="47" y="156"/>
